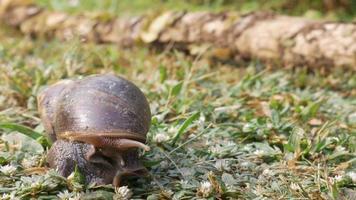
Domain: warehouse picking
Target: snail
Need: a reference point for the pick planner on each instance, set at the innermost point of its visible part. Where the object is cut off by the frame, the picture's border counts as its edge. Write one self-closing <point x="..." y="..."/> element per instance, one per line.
<point x="98" y="124"/>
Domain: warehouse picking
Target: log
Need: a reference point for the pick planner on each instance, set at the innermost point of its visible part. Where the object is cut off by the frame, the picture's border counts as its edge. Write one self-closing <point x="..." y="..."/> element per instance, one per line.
<point x="277" y="39"/>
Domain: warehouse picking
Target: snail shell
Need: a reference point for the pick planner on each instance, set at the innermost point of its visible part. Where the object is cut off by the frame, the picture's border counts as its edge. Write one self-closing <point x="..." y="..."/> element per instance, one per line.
<point x="106" y="112"/>
<point x="47" y="101"/>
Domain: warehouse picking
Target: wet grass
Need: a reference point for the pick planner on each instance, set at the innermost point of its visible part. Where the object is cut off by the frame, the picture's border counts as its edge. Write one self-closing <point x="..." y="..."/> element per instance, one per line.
<point x="218" y="131"/>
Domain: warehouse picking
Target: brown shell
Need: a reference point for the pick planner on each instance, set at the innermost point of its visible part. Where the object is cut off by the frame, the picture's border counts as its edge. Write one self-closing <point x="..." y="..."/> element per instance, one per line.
<point x="98" y="105"/>
<point x="47" y="101"/>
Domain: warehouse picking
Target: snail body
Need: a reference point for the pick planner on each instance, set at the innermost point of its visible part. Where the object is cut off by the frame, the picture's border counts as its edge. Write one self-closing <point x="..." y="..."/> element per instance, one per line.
<point x="97" y="123"/>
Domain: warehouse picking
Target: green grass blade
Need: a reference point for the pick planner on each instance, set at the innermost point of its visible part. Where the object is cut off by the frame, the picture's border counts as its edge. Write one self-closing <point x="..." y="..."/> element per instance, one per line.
<point x="176" y="89"/>
<point x="184" y="126"/>
<point x="26" y="131"/>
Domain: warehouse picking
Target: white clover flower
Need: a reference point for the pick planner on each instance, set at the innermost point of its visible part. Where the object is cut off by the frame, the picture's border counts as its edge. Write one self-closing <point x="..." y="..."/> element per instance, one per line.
<point x="122" y="193"/>
<point x="10" y="196"/>
<point x="217" y="149"/>
<point x="352" y="175"/>
<point x="267" y="172"/>
<point x="259" y="191"/>
<point x="230" y="144"/>
<point x="29" y="162"/>
<point x="159" y="117"/>
<point x="77" y="196"/>
<point x="230" y="188"/>
<point x="269" y="125"/>
<point x="172" y="130"/>
<point x="222" y="165"/>
<point x="184" y="184"/>
<point x="8" y="169"/>
<point x="294" y="186"/>
<point x="160" y="138"/>
<point x="164" y="164"/>
<point x="245" y="165"/>
<point x="259" y="152"/>
<point x="167" y="193"/>
<point x="65" y="195"/>
<point x="71" y="176"/>
<point x="205" y="189"/>
<point x="340" y="149"/>
<point x="201" y="120"/>
<point x="337" y="178"/>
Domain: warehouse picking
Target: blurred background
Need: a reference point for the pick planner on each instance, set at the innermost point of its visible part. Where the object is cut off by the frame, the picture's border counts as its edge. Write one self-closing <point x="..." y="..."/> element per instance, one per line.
<point x="344" y="10"/>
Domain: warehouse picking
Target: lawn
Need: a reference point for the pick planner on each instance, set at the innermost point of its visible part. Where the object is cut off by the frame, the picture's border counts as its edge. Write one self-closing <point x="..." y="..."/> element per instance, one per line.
<point x="218" y="131"/>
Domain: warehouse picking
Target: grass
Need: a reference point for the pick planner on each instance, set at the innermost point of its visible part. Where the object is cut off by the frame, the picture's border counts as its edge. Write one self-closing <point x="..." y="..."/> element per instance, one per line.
<point x="218" y="131"/>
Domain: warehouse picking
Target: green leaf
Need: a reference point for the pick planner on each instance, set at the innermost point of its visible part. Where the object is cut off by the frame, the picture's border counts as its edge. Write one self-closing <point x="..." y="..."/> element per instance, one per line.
<point x="76" y="180"/>
<point x="26" y="131"/>
<point x="98" y="195"/>
<point x="311" y="110"/>
<point x="3" y="160"/>
<point x="294" y="140"/>
<point x="78" y="177"/>
<point x="335" y="191"/>
<point x="151" y="163"/>
<point x="320" y="145"/>
<point x="162" y="74"/>
<point x="176" y="89"/>
<point x="44" y="141"/>
<point x="184" y="126"/>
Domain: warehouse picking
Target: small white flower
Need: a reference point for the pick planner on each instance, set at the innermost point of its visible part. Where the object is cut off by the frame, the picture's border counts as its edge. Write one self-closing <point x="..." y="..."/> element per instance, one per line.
<point x="259" y="191"/>
<point x="184" y="184"/>
<point x="269" y="125"/>
<point x="267" y="172"/>
<point x="247" y="128"/>
<point x="340" y="149"/>
<point x="160" y="117"/>
<point x="8" y="169"/>
<point x="122" y="193"/>
<point x="65" y="195"/>
<point x="71" y="176"/>
<point x="160" y="138"/>
<point x="172" y="130"/>
<point x="217" y="149"/>
<point x="29" y="162"/>
<point x="10" y="196"/>
<point x="201" y="120"/>
<point x="164" y="164"/>
<point x="205" y="189"/>
<point x="352" y="175"/>
<point x="294" y="186"/>
<point x="230" y="188"/>
<point x="77" y="196"/>
<point x="167" y="193"/>
<point x="222" y="165"/>
<point x="230" y="144"/>
<point x="337" y="178"/>
<point x="245" y="165"/>
<point x="259" y="152"/>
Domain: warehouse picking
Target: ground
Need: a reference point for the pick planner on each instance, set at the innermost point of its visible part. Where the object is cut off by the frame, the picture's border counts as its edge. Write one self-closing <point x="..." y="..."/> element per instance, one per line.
<point x="247" y="131"/>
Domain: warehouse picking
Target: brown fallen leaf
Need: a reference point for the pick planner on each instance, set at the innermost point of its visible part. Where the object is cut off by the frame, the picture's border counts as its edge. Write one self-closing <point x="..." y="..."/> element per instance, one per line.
<point x="36" y="170"/>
